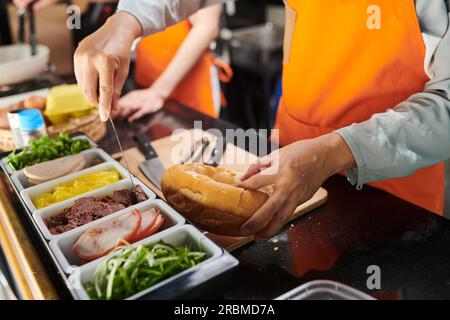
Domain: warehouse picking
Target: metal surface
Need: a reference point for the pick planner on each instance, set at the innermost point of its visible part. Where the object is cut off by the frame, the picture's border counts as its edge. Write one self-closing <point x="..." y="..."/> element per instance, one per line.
<point x="217" y="153"/>
<point x="21" y="30"/>
<point x="33" y="34"/>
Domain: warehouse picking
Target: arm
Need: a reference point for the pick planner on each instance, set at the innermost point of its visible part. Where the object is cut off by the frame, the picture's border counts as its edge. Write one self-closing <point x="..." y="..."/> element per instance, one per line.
<point x="205" y="27"/>
<point x="414" y="135"/>
<point x="155" y="15"/>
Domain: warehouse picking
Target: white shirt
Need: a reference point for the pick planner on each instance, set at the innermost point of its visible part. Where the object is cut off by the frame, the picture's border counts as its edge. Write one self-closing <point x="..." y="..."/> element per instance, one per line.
<point x="407" y="137"/>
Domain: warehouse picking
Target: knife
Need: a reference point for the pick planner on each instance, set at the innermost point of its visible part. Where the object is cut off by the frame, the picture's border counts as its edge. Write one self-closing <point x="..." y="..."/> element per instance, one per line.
<point x="152" y="167"/>
<point x="33" y="34"/>
<point x="199" y="156"/>
<point x="133" y="186"/>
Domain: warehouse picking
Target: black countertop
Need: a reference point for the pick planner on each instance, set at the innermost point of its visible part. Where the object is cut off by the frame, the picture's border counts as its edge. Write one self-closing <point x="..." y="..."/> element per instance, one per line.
<point x="338" y="241"/>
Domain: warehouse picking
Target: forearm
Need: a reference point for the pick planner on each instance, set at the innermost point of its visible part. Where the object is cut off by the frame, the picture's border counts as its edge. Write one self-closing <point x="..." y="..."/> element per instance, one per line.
<point x="156" y="15"/>
<point x="401" y="141"/>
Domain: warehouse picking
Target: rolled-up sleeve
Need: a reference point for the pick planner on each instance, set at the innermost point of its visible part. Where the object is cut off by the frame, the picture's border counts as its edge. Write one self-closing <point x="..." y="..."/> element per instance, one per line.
<point x="413" y="135"/>
<point x="156" y="15"/>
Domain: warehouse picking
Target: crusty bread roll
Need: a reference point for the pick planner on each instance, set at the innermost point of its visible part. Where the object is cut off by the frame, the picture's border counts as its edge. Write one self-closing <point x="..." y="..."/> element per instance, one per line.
<point x="207" y="197"/>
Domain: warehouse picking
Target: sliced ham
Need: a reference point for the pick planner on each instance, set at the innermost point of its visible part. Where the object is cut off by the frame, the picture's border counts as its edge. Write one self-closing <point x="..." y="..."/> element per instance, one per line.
<point x="99" y="241"/>
<point x="158" y="223"/>
<point x="148" y="221"/>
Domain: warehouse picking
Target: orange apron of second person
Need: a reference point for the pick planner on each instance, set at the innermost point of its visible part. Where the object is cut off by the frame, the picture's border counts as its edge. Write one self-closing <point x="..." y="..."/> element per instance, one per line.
<point x="339" y="70"/>
<point x="154" y="53"/>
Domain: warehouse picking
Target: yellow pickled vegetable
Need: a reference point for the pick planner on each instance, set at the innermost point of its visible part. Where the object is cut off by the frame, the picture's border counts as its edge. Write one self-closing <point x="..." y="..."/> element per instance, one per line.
<point x="81" y="185"/>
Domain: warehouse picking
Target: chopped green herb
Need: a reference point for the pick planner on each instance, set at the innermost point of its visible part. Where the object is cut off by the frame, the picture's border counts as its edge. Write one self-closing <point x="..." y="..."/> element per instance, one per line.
<point x="45" y="149"/>
<point x="135" y="268"/>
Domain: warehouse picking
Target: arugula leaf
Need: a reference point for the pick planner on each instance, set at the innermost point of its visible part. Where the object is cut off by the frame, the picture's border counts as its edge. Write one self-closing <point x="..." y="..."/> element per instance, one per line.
<point x="45" y="149"/>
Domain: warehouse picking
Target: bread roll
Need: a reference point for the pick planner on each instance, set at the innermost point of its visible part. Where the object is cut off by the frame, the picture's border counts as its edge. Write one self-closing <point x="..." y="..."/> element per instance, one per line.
<point x="207" y="197"/>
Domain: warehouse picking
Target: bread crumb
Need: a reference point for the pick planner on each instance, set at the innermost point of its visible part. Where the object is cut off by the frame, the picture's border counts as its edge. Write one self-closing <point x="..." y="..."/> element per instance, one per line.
<point x="275" y="240"/>
<point x="275" y="249"/>
<point x="292" y="226"/>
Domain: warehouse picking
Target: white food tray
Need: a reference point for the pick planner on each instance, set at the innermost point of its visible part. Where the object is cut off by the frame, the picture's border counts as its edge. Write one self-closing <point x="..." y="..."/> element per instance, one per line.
<point x="44" y="213"/>
<point x="185" y="235"/>
<point x="30" y="193"/>
<point x="78" y="137"/>
<point x="61" y="245"/>
<point x="20" y="180"/>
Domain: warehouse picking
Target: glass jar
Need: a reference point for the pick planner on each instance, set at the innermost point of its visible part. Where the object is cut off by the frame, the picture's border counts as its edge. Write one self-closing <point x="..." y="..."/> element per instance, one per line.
<point x="32" y="125"/>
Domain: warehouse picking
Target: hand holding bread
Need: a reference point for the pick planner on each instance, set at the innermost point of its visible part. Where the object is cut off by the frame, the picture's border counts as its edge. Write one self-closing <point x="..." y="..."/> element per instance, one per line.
<point x="209" y="197"/>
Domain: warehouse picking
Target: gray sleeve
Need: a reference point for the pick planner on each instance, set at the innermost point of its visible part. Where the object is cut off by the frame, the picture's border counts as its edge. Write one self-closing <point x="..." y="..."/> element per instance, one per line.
<point x="156" y="15"/>
<point x="413" y="135"/>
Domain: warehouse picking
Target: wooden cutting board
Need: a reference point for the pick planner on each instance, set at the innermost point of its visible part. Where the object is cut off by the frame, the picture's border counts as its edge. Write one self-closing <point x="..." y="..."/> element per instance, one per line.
<point x="173" y="148"/>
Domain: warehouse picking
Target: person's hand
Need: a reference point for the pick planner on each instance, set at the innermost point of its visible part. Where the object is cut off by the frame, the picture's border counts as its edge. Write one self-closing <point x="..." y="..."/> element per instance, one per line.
<point x="295" y="172"/>
<point x="101" y="61"/>
<point x="139" y="103"/>
<point x="39" y="4"/>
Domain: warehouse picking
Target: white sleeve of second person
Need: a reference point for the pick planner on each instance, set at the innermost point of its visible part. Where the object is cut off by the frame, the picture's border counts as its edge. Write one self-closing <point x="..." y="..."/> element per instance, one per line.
<point x="156" y="15"/>
<point x="413" y="135"/>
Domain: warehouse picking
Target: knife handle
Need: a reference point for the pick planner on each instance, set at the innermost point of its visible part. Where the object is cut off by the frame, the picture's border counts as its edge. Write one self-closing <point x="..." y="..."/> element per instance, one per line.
<point x="145" y="146"/>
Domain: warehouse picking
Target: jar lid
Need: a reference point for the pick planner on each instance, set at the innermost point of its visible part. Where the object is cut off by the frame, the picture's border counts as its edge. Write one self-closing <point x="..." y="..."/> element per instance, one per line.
<point x="31" y="119"/>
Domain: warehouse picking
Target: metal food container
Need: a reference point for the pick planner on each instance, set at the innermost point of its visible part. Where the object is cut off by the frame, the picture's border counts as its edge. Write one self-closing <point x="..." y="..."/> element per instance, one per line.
<point x="254" y="47"/>
<point x="206" y="279"/>
<point x="92" y="157"/>
<point x="30" y="193"/>
<point x="62" y="244"/>
<point x="324" y="290"/>
<point x="182" y="236"/>
<point x="7" y="168"/>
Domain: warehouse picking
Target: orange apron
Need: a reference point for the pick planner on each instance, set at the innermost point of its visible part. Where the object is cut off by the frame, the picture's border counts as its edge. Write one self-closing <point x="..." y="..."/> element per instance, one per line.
<point x="339" y="71"/>
<point x="154" y="54"/>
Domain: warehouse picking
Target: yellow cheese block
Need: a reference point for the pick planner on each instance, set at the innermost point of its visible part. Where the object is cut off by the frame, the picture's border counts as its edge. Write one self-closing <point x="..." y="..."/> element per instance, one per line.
<point x="64" y="101"/>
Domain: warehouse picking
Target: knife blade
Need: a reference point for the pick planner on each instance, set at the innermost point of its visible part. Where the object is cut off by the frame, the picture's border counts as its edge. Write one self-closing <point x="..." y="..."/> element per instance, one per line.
<point x="217" y="153"/>
<point x="33" y="34"/>
<point x="199" y="156"/>
<point x="152" y="167"/>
